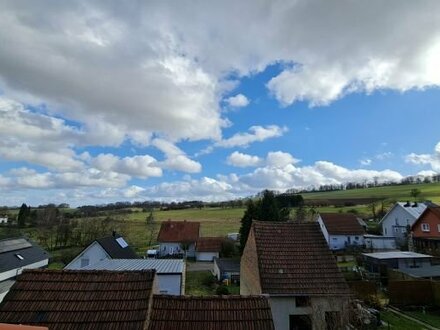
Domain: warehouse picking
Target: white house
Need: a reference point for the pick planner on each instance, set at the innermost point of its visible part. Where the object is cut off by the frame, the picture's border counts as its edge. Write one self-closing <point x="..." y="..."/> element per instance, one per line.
<point x="208" y="248"/>
<point x="341" y="230"/>
<point x="399" y="219"/>
<point x="17" y="254"/>
<point x="3" y="219"/>
<point x="110" y="247"/>
<point x="178" y="238"/>
<point x="377" y="242"/>
<point x="170" y="273"/>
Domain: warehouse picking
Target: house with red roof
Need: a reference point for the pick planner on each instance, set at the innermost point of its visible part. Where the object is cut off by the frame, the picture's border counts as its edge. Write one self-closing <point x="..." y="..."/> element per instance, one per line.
<point x="425" y="232"/>
<point x="341" y="230"/>
<point x="178" y="238"/>
<point x="293" y="266"/>
<point x="208" y="248"/>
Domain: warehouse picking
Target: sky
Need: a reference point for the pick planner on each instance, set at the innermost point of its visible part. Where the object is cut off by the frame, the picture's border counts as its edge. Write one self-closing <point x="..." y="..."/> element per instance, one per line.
<point x="104" y="101"/>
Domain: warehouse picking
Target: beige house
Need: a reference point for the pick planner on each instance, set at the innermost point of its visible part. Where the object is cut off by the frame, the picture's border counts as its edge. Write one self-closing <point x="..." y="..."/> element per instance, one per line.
<point x="293" y="265"/>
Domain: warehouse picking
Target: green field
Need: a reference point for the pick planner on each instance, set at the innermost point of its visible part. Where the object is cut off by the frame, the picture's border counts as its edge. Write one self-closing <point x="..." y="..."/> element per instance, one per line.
<point x="430" y="191"/>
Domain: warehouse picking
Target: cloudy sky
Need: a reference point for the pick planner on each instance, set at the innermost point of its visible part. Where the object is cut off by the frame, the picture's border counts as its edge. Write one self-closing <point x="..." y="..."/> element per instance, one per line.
<point x="103" y="101"/>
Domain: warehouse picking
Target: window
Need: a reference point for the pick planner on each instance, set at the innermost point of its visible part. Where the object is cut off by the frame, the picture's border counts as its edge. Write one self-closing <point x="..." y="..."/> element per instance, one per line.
<point x="356" y="238"/>
<point x="425" y="226"/>
<point x="19" y="256"/>
<point x="84" y="262"/>
<point x="302" y="301"/>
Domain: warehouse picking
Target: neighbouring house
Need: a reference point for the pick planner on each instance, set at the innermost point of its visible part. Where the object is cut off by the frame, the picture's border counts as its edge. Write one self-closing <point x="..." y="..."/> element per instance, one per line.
<point x="292" y="264"/>
<point x="79" y="299"/>
<point x="427" y="273"/>
<point x="170" y="273"/>
<point x="425" y="232"/>
<point x="341" y="230"/>
<point x="110" y="247"/>
<point x="379" y="262"/>
<point x="227" y="269"/>
<point x="233" y="236"/>
<point x="211" y="312"/>
<point x="178" y="238"/>
<point x="399" y="219"/>
<point x="378" y="242"/>
<point x="208" y="248"/>
<point x="17" y="254"/>
<point x="3" y="219"/>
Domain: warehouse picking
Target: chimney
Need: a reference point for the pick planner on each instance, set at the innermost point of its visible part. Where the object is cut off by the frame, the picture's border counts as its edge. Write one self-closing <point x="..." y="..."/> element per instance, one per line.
<point x="408" y="204"/>
<point x="415" y="204"/>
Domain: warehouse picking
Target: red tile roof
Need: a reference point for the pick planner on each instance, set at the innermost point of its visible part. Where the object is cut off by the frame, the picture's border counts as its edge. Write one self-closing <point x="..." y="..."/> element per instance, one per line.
<point x="179" y="231"/>
<point x="209" y="244"/>
<point x="210" y="313"/>
<point x="342" y="224"/>
<point x="78" y="299"/>
<point x="294" y="259"/>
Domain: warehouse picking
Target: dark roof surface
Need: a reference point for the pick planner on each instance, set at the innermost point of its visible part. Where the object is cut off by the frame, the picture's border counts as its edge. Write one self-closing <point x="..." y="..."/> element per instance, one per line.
<point x="28" y="250"/>
<point x="295" y="259"/>
<point x="209" y="244"/>
<point x="228" y="265"/>
<point x="342" y="224"/>
<point x="179" y="231"/>
<point x="115" y="250"/>
<point x="210" y="313"/>
<point x="78" y="299"/>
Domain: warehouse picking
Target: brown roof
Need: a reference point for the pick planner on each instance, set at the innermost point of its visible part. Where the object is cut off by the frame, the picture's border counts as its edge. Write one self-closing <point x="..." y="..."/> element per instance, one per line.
<point x="4" y="326"/>
<point x="78" y="299"/>
<point x="342" y="224"/>
<point x="209" y="244"/>
<point x="294" y="259"/>
<point x="179" y="231"/>
<point x="215" y="312"/>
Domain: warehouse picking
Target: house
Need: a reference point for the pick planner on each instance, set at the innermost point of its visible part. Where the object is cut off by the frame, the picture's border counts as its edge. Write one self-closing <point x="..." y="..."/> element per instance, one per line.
<point x="110" y="247"/>
<point x="177" y="236"/>
<point x="227" y="269"/>
<point x="3" y="219"/>
<point x="399" y="219"/>
<point x="425" y="232"/>
<point x="170" y="273"/>
<point x="292" y="264"/>
<point x="210" y="312"/>
<point x="341" y="230"/>
<point x="379" y="262"/>
<point x="17" y="254"/>
<point x="208" y="248"/>
<point x="79" y="299"/>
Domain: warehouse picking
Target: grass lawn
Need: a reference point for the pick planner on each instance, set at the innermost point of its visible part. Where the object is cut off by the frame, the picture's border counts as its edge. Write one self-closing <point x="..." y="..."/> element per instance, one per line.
<point x="196" y="284"/>
<point x="432" y="318"/>
<point x="398" y="323"/>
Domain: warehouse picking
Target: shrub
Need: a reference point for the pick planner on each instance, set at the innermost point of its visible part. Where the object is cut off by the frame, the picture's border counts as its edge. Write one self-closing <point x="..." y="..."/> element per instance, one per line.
<point x="222" y="290"/>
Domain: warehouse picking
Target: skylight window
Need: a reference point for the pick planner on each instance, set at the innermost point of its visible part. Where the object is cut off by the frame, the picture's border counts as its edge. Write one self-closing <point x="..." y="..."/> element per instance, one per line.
<point x="122" y="242"/>
<point x="19" y="256"/>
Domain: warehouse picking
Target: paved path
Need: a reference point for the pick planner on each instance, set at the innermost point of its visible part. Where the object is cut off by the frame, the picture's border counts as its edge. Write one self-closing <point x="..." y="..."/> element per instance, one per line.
<point x="397" y="312"/>
<point x="199" y="266"/>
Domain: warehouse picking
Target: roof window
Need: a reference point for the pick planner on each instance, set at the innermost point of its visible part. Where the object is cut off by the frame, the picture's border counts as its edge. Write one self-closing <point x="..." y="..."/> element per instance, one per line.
<point x="19" y="256"/>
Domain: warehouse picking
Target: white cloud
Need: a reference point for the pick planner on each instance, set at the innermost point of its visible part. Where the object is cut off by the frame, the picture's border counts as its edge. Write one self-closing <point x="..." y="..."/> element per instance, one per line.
<point x="176" y="159"/>
<point x="365" y="162"/>
<point x="257" y="134"/>
<point x="432" y="160"/>
<point x="139" y="166"/>
<point x="239" y="159"/>
<point x="280" y="159"/>
<point x="237" y="101"/>
<point x="133" y="191"/>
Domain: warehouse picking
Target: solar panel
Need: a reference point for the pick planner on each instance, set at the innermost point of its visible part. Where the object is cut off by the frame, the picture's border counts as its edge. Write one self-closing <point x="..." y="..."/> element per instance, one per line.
<point x="13" y="244"/>
<point x="122" y="242"/>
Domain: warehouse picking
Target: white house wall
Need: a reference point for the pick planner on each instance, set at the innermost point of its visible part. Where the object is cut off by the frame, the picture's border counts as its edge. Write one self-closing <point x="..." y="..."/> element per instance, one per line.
<point x="338" y="242"/>
<point x="94" y="253"/>
<point x="324" y="230"/>
<point x="173" y="248"/>
<point x="379" y="243"/>
<point x="17" y="271"/>
<point x="396" y="217"/>
<point x="206" y="256"/>
<point x="169" y="283"/>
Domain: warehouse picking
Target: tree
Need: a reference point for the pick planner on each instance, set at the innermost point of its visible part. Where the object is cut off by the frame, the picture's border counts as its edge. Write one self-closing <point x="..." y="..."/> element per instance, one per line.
<point x="151" y="227"/>
<point x="415" y="193"/>
<point x="23" y="214"/>
<point x="300" y="213"/>
<point x="246" y="223"/>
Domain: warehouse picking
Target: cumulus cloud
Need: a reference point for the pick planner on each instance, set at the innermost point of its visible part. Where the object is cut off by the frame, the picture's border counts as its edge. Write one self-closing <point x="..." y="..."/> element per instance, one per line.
<point x="237" y="101"/>
<point x="432" y="160"/>
<point x="239" y="159"/>
<point x="256" y="134"/>
<point x="176" y="159"/>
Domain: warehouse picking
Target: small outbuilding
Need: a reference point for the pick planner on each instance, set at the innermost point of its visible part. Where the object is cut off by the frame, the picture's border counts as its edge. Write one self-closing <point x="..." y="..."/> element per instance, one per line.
<point x="208" y="248"/>
<point x="227" y="269"/>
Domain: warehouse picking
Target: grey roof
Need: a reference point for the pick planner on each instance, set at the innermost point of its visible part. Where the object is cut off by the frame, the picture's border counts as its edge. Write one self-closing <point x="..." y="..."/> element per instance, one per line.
<point x="6" y="285"/>
<point x="379" y="236"/>
<point x="29" y="252"/>
<point x="433" y="271"/>
<point x="162" y="266"/>
<point x="396" y="255"/>
<point x="114" y="249"/>
<point x="414" y="211"/>
<point x="228" y="264"/>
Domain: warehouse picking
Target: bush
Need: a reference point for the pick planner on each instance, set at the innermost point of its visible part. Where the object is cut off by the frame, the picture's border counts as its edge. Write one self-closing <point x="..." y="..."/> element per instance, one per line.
<point x="209" y="280"/>
<point x="222" y="290"/>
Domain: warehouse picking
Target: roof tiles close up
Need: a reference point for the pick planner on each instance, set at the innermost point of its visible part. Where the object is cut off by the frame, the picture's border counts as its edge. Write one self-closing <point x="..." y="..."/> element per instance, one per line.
<point x="215" y="312"/>
<point x="81" y="299"/>
<point x="294" y="259"/>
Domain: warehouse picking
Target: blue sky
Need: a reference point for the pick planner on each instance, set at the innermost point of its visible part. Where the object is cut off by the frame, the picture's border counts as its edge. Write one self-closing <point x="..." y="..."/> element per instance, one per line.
<point x="102" y="103"/>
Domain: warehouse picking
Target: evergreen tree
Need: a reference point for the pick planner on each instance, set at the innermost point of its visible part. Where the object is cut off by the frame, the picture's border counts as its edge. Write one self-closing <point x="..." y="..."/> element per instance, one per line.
<point x="246" y="222"/>
<point x="23" y="214"/>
